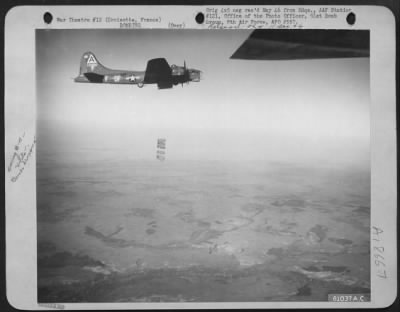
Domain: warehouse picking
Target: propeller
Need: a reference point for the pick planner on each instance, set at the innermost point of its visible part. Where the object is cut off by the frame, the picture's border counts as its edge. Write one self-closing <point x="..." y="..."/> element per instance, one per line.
<point x="185" y="74"/>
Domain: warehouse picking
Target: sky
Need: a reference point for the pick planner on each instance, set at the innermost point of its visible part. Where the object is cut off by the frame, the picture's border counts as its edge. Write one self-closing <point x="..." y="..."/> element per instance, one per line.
<point x="243" y="110"/>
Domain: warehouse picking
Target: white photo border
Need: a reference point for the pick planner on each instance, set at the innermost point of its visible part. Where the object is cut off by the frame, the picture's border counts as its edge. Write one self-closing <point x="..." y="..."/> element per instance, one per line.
<point x="20" y="118"/>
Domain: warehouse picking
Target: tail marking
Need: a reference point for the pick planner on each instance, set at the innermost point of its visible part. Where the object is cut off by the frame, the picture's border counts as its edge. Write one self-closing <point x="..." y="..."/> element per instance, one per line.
<point x="91" y="61"/>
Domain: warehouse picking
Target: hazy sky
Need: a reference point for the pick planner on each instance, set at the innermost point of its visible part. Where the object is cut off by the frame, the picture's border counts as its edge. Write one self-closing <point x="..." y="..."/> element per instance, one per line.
<point x="300" y="107"/>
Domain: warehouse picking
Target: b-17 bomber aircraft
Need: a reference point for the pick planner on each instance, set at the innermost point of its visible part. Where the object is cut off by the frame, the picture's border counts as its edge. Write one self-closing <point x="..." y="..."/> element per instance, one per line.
<point x="158" y="71"/>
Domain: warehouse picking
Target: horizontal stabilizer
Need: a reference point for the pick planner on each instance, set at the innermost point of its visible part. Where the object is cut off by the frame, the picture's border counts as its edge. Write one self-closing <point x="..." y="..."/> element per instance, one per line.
<point x="92" y="77"/>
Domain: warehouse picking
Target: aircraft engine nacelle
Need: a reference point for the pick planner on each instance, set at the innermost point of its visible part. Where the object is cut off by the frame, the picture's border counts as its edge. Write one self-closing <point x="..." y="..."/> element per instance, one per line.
<point x="195" y="75"/>
<point x="177" y="70"/>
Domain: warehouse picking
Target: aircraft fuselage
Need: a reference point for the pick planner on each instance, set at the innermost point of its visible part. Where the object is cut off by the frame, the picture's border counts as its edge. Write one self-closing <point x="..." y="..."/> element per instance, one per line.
<point x="157" y="72"/>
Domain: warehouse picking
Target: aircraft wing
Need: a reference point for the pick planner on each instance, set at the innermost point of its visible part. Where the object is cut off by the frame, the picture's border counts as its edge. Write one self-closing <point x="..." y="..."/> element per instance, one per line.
<point x="158" y="71"/>
<point x="284" y="44"/>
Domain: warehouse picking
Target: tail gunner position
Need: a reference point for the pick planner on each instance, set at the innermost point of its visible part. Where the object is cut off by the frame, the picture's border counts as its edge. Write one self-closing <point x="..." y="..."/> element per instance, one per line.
<point x="158" y="71"/>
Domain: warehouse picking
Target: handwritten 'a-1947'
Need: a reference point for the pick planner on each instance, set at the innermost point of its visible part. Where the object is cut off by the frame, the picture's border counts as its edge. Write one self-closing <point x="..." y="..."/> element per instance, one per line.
<point x="20" y="157"/>
<point x="378" y="251"/>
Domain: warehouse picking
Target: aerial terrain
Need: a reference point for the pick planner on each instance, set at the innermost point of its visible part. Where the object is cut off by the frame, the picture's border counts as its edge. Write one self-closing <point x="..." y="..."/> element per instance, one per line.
<point x="112" y="228"/>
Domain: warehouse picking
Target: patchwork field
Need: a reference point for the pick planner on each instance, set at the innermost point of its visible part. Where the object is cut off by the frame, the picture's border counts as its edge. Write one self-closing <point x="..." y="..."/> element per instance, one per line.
<point x="200" y="231"/>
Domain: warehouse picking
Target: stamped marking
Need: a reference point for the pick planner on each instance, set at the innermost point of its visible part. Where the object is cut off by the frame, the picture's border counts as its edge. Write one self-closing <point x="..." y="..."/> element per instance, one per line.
<point x="349" y="297"/>
<point x="58" y="306"/>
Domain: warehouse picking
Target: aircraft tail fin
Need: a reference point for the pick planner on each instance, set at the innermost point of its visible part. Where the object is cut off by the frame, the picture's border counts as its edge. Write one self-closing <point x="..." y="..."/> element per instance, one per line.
<point x="90" y="64"/>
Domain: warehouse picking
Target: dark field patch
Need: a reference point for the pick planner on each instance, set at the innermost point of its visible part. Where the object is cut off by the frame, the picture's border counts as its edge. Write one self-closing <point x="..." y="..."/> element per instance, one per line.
<point x="109" y="193"/>
<point x="325" y="268"/>
<point x="47" y="213"/>
<point x="340" y="241"/>
<point x="253" y="207"/>
<point x="278" y="252"/>
<point x="304" y="291"/>
<point x="123" y="243"/>
<point x="111" y="241"/>
<point x="62" y="259"/>
<point x="186" y="216"/>
<point x="141" y="212"/>
<point x="46" y="246"/>
<point x="317" y="233"/>
<point x="335" y="269"/>
<point x="362" y="210"/>
<point x="150" y="231"/>
<point x="354" y="221"/>
<point x="293" y="203"/>
<point x="284" y="230"/>
<point x="119" y="229"/>
<point x="201" y="236"/>
<point x="216" y="285"/>
<point x="189" y="217"/>
<point x="203" y="223"/>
